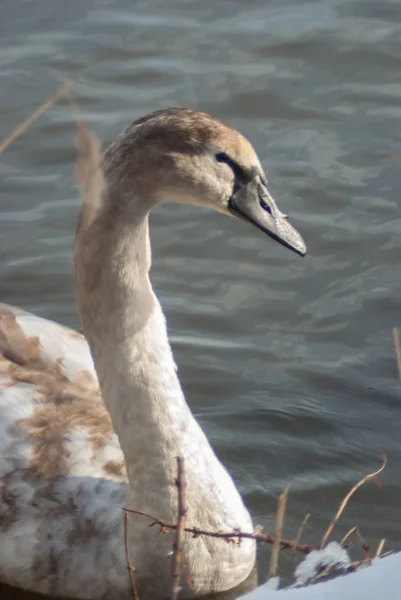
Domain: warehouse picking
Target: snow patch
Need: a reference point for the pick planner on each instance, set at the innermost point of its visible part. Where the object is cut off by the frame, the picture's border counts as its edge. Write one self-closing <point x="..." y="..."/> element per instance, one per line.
<point x="333" y="556"/>
<point x="380" y="580"/>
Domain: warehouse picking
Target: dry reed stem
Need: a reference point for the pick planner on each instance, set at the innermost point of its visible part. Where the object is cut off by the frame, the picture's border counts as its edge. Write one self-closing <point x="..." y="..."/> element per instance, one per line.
<point x="88" y="171"/>
<point x="357" y="563"/>
<point x="33" y="116"/>
<point x="299" y="533"/>
<point x="364" y="544"/>
<point x="396" y="338"/>
<point x="325" y="572"/>
<point x="180" y="528"/>
<point x="380" y="547"/>
<point x="388" y="553"/>
<point x="350" y="532"/>
<point x="131" y="569"/>
<point x="73" y="105"/>
<point x="80" y="123"/>
<point x="282" y="503"/>
<point x="348" y="496"/>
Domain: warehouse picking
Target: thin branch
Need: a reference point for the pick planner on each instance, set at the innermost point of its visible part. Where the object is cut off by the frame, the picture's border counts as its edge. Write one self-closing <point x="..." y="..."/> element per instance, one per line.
<point x="348" y="496"/>
<point x="33" y="116"/>
<point x="282" y="503"/>
<point x="131" y="568"/>
<point x="180" y="528"/>
<point x="188" y="576"/>
<point x="230" y="536"/>
<point x="396" y="338"/>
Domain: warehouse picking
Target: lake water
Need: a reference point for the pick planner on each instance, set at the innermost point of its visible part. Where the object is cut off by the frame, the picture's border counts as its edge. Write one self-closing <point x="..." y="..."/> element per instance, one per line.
<point x="287" y="362"/>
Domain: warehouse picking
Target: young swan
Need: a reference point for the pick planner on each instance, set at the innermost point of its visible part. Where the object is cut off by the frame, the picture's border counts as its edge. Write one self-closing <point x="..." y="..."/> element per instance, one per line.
<point x="61" y="466"/>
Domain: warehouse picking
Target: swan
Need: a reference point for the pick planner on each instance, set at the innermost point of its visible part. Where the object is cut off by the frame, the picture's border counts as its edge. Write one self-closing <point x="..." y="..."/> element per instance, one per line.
<point x="91" y="424"/>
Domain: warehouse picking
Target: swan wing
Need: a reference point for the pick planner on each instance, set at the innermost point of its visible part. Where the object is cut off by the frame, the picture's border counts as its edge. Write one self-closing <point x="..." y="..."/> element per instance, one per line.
<point x="62" y="474"/>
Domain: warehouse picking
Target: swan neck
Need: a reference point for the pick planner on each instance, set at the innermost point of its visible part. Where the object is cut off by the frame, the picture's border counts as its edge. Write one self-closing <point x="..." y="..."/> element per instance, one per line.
<point x="126" y="329"/>
<point x="125" y="326"/>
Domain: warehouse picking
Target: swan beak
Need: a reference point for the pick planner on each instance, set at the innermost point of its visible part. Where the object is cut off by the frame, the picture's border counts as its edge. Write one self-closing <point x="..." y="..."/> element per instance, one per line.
<point x="253" y="203"/>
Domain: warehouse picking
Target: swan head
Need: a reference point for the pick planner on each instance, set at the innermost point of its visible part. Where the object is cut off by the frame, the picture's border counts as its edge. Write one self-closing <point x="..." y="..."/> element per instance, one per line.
<point x="183" y="155"/>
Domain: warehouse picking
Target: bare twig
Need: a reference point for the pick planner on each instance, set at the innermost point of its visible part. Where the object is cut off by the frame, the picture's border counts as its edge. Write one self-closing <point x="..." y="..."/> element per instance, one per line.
<point x="299" y="533"/>
<point x="33" y="116"/>
<point x="380" y="547"/>
<point x="131" y="568"/>
<point x="396" y="338"/>
<point x="180" y="528"/>
<point x="188" y="576"/>
<point x="230" y="536"/>
<point x="282" y="503"/>
<point x="348" y="496"/>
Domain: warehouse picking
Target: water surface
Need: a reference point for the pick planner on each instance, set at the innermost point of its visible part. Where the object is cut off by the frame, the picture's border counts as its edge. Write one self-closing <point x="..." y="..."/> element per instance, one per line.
<point x="287" y="362"/>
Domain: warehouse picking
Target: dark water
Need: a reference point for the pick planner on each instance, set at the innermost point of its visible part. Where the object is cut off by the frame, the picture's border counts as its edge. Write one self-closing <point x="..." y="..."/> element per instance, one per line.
<point x="287" y="362"/>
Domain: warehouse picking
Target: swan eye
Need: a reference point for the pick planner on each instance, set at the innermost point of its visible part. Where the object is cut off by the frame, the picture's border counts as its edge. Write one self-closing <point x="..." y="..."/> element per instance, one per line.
<point x="242" y="175"/>
<point x="223" y="157"/>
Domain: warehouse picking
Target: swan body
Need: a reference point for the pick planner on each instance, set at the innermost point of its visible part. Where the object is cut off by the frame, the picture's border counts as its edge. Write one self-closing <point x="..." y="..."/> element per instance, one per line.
<point x="88" y="426"/>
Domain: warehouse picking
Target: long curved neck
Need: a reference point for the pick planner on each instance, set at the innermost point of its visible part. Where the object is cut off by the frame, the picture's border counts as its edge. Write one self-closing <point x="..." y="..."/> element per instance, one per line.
<point x="126" y="329"/>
